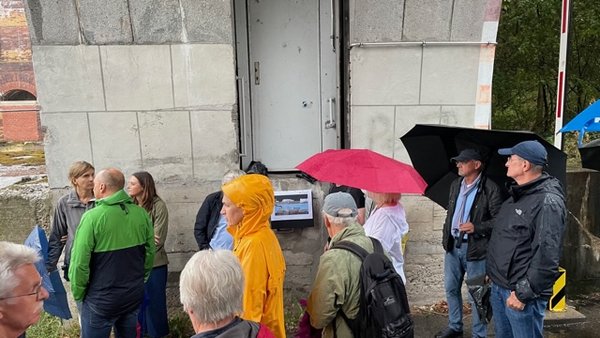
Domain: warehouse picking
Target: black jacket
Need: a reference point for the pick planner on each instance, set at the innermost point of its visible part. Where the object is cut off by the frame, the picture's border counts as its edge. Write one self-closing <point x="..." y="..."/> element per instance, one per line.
<point x="526" y="242"/>
<point x="486" y="205"/>
<point x="207" y="219"/>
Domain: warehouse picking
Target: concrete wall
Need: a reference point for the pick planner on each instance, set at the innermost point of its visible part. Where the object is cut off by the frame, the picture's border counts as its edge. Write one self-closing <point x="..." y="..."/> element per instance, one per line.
<point x="140" y="85"/>
<point x="581" y="251"/>
<point x="419" y="61"/>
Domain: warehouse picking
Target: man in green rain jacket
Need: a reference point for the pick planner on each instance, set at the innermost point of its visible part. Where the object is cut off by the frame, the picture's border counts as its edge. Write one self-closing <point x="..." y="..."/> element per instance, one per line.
<point x="112" y="256"/>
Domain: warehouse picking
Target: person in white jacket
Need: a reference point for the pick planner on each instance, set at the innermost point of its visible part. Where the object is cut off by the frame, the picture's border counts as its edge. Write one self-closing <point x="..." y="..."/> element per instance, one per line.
<point x="387" y="223"/>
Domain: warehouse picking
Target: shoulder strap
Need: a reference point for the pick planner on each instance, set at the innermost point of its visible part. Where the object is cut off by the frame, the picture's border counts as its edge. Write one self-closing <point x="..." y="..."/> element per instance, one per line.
<point x="352" y="247"/>
<point x="377" y="247"/>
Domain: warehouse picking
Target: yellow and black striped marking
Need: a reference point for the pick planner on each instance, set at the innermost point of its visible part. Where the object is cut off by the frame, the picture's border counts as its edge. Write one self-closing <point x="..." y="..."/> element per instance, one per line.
<point x="558" y="301"/>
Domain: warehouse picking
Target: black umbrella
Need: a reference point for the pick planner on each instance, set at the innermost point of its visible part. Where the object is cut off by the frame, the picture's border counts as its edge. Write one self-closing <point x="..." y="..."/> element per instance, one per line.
<point x="480" y="291"/>
<point x="431" y="147"/>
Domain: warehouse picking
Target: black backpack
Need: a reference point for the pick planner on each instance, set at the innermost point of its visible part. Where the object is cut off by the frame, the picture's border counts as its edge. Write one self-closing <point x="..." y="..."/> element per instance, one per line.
<point x="384" y="309"/>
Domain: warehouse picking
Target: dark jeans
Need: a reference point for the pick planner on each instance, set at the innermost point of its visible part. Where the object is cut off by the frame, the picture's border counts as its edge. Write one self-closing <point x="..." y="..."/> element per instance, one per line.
<point x="153" y="312"/>
<point x="94" y="325"/>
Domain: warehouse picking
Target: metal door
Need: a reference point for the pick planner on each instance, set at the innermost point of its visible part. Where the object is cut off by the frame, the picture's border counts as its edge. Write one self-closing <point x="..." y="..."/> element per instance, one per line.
<point x="287" y="80"/>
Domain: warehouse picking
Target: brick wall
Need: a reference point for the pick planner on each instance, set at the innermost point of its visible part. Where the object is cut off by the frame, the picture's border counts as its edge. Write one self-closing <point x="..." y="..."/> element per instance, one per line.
<point x="18" y="121"/>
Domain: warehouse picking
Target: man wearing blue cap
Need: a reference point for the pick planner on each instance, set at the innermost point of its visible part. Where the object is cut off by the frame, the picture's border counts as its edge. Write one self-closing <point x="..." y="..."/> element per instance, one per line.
<point x="473" y="203"/>
<point x="526" y="243"/>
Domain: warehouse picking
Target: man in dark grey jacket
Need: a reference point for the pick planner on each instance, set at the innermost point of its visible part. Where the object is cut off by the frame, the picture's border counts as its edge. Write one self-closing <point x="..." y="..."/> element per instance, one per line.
<point x="526" y="243"/>
<point x="474" y="202"/>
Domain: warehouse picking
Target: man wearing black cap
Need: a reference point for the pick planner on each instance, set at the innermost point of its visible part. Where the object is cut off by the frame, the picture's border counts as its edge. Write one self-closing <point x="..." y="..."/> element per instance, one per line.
<point x="526" y="243"/>
<point x="336" y="288"/>
<point x="474" y="202"/>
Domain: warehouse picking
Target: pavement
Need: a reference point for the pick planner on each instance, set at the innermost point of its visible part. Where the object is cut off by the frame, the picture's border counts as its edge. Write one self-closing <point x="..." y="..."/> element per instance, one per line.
<point x="571" y="323"/>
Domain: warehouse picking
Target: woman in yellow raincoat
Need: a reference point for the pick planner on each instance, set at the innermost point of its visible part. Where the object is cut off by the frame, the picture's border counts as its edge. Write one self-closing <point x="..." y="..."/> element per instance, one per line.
<point x="248" y="203"/>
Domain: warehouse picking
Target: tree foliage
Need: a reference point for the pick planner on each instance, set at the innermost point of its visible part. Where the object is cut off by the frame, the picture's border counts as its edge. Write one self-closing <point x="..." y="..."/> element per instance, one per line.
<point x="526" y="63"/>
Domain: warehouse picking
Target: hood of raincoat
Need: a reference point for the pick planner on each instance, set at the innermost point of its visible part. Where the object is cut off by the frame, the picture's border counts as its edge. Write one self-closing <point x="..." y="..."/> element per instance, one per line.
<point x="254" y="195"/>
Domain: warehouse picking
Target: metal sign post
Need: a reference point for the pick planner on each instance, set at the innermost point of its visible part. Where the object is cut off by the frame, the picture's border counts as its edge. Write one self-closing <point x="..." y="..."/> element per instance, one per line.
<point x="562" y="71"/>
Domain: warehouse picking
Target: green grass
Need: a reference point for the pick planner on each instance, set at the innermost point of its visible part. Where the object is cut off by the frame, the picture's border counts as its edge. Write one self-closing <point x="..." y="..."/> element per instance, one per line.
<point x="52" y="327"/>
<point x="22" y="153"/>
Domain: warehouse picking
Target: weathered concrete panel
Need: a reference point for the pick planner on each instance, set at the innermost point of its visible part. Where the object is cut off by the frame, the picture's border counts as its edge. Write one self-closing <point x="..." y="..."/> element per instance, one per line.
<point x="373" y="128"/>
<point x="406" y="118"/>
<point x="156" y="21"/>
<point x="22" y="206"/>
<point x="376" y="20"/>
<point x="427" y="20"/>
<point x="137" y="77"/>
<point x="449" y="75"/>
<point x="52" y="22"/>
<point x="105" y="22"/>
<point x="458" y="115"/>
<point x="467" y="20"/>
<point x="68" y="78"/>
<point x="168" y="161"/>
<point x="181" y="228"/>
<point x="203" y="75"/>
<point x="213" y="143"/>
<point x="207" y="21"/>
<point x="107" y="127"/>
<point x="67" y="139"/>
<point x="385" y="76"/>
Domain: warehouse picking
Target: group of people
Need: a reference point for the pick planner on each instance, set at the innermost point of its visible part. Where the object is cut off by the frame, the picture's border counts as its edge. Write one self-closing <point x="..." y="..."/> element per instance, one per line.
<point x="233" y="287"/>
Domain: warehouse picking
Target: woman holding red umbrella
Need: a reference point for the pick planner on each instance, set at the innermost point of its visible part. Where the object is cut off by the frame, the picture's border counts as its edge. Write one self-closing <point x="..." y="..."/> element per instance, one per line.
<point x="387" y="223"/>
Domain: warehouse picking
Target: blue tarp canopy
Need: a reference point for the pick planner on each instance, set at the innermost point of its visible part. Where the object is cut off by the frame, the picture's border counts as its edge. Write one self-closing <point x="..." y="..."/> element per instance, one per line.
<point x="588" y="120"/>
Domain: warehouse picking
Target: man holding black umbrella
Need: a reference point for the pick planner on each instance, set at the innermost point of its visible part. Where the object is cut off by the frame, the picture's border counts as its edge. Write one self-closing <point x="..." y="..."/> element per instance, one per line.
<point x="526" y="243"/>
<point x="474" y="201"/>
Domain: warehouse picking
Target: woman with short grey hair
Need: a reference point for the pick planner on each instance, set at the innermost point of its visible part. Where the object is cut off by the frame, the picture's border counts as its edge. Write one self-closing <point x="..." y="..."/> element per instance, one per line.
<point x="211" y="290"/>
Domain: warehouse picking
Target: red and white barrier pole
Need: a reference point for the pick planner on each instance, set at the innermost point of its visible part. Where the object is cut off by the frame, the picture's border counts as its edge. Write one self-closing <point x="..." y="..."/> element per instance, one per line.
<point x="562" y="71"/>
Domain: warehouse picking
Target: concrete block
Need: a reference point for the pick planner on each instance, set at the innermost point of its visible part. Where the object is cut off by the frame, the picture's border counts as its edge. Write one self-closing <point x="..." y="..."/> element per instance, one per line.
<point x="177" y="261"/>
<point x="156" y="21"/>
<point x="373" y="128"/>
<point x="427" y="20"/>
<point x="418" y="209"/>
<point x="449" y="75"/>
<point x="467" y="20"/>
<point x="425" y="278"/>
<point x="115" y="141"/>
<point x="167" y="161"/>
<point x="186" y="192"/>
<point x="458" y="115"/>
<point x="376" y="20"/>
<point x="406" y="118"/>
<point x="439" y="217"/>
<point x="207" y="21"/>
<point x="180" y="237"/>
<point x="128" y="81"/>
<point x="203" y="75"/>
<point x="52" y="22"/>
<point x="385" y="76"/>
<point x="63" y="146"/>
<point x="105" y="22"/>
<point x="213" y="143"/>
<point x="68" y="78"/>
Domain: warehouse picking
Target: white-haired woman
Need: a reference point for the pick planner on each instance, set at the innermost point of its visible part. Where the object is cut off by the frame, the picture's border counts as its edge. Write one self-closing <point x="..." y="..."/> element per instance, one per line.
<point x="211" y="289"/>
<point x="387" y="223"/>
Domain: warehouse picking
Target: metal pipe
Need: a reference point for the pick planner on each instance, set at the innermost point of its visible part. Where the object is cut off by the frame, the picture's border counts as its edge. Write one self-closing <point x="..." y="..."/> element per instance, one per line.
<point x="421" y="43"/>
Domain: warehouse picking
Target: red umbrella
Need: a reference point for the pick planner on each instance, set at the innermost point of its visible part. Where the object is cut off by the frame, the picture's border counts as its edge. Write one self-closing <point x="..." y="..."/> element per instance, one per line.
<point x="364" y="169"/>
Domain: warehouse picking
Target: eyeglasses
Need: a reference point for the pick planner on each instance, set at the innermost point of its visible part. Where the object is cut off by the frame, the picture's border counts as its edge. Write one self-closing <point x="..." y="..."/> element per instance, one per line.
<point x="512" y="158"/>
<point x="37" y="291"/>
